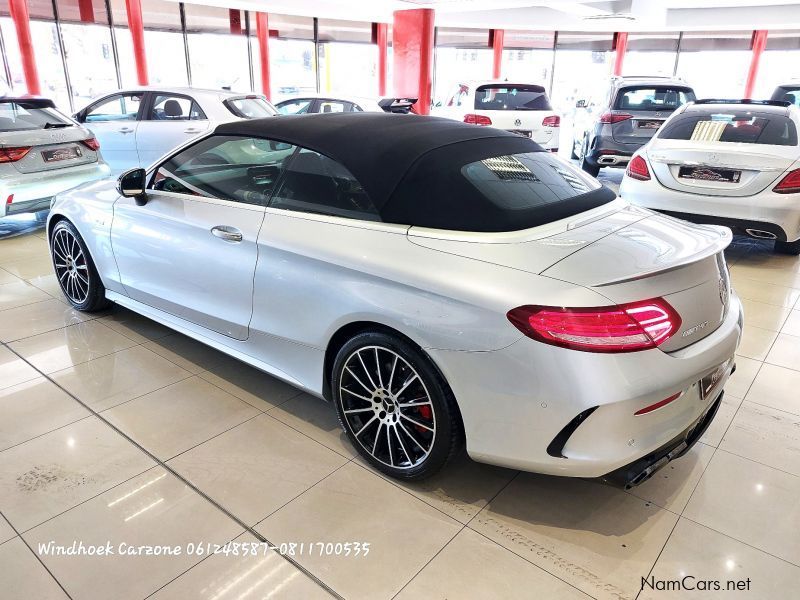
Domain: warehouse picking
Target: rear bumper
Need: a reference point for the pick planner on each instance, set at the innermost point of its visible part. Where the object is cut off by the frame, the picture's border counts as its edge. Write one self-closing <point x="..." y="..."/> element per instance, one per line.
<point x="516" y="402"/>
<point x="34" y="191"/>
<point x="606" y="152"/>
<point x="644" y="468"/>
<point x="778" y="214"/>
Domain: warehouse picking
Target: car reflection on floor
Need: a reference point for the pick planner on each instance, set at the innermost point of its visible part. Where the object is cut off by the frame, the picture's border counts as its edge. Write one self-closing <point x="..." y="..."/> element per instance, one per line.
<point x="20" y="224"/>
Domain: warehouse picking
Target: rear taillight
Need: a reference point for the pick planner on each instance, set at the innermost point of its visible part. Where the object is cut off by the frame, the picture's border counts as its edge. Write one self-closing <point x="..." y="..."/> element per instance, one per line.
<point x="13" y="154"/>
<point x="637" y="169"/>
<point x="477" y="119"/>
<point x="609" y="118"/>
<point x="552" y="121"/>
<point x="91" y="143"/>
<point x="789" y="184"/>
<point x="621" y="328"/>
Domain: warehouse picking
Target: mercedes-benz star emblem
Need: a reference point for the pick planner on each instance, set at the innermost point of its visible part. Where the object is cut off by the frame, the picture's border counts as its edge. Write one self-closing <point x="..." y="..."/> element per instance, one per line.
<point x="518" y="122"/>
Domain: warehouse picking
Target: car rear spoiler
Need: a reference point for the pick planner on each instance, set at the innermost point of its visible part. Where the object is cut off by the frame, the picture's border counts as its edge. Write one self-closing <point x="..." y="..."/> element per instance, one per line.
<point x="29" y="101"/>
<point x="397" y="105"/>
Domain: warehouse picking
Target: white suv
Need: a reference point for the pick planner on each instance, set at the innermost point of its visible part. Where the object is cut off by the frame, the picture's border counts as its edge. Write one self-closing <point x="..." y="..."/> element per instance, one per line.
<point x="521" y="108"/>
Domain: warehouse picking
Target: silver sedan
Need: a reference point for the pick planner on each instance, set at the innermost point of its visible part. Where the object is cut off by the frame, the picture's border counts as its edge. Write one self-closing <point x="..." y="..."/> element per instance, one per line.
<point x="437" y="283"/>
<point x="42" y="152"/>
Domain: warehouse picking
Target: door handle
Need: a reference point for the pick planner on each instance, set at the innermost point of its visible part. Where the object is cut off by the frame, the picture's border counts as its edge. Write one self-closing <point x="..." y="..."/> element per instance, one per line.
<point x="227" y="233"/>
<point x="192" y="130"/>
<point x="125" y="130"/>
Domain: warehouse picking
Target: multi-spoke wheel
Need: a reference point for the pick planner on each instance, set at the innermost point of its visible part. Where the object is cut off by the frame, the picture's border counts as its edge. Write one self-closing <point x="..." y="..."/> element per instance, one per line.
<point x="75" y="270"/>
<point x="394" y="406"/>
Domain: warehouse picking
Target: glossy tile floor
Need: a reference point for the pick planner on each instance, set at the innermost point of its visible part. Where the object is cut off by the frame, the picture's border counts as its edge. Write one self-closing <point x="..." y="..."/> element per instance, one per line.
<point x="115" y="431"/>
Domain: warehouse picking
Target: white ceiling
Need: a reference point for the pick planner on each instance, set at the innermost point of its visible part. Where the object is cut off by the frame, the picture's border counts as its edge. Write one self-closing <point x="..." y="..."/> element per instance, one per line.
<point x="549" y="15"/>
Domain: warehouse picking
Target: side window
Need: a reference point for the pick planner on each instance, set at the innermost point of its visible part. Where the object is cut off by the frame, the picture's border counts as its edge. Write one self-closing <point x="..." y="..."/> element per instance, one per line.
<point x="175" y="108"/>
<point x="314" y="183"/>
<point x="294" y="107"/>
<point x="335" y="106"/>
<point x="123" y="107"/>
<point x="232" y="168"/>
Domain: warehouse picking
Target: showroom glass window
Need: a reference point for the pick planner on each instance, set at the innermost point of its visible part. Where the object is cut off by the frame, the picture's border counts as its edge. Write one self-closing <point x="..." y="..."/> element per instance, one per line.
<point x="217" y="48"/>
<point x="239" y="169"/>
<point x="528" y="57"/>
<point x="583" y="65"/>
<point x="291" y="54"/>
<point x="314" y="183"/>
<point x="461" y="55"/>
<point x="715" y="63"/>
<point x="347" y="57"/>
<point x="163" y="40"/>
<point x="651" y="54"/>
<point x="779" y="64"/>
<point x="88" y="49"/>
<point x="47" y="49"/>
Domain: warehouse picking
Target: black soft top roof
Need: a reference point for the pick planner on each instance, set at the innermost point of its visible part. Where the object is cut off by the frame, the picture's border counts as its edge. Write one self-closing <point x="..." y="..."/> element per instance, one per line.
<point x="380" y="149"/>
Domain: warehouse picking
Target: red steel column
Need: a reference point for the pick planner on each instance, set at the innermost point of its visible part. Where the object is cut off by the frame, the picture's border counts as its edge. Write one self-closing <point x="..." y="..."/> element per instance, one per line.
<point x="262" y="31"/>
<point x="19" y="14"/>
<point x="759" y="44"/>
<point x="382" y="39"/>
<point x="620" y="46"/>
<point x="86" y="11"/>
<point x="235" y="20"/>
<point x="496" y="39"/>
<point x="136" y="26"/>
<point x="412" y="51"/>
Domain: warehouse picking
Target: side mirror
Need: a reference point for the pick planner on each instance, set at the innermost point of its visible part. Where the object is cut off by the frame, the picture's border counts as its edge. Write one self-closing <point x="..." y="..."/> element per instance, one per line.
<point x="580" y="104"/>
<point x="131" y="184"/>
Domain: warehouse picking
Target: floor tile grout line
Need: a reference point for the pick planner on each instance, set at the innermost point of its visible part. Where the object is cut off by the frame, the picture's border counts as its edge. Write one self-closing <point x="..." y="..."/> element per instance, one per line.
<point x="788" y="412"/>
<point x="527" y="560"/>
<point x="35" y="555"/>
<point x="37" y="436"/>
<point x="683" y="509"/>
<point x="748" y="544"/>
<point x="747" y="458"/>
<point x="27" y="302"/>
<point x="186" y="482"/>
<point x="349" y="458"/>
<point x="423" y="567"/>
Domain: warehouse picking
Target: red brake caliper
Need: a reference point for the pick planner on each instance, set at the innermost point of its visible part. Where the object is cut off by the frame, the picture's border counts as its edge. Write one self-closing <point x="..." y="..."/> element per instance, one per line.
<point x="426" y="413"/>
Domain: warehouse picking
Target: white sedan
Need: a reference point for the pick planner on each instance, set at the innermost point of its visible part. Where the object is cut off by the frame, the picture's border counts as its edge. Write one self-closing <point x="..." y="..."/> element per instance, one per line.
<point x="520" y="108"/>
<point x="336" y="103"/>
<point x="138" y="126"/>
<point x="732" y="163"/>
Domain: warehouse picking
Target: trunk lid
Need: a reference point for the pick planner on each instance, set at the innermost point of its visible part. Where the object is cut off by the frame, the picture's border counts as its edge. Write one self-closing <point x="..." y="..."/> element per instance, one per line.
<point x="624" y="253"/>
<point x="50" y="149"/>
<point x="659" y="257"/>
<point x="718" y="168"/>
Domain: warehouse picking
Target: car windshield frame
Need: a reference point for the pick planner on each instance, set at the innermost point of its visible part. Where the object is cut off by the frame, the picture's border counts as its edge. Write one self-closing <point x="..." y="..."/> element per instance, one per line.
<point x="537" y="98"/>
<point x="43" y="112"/>
<point x="230" y="104"/>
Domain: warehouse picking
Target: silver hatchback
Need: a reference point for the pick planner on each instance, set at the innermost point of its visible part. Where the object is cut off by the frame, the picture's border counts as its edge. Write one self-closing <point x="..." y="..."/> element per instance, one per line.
<point x="42" y="153"/>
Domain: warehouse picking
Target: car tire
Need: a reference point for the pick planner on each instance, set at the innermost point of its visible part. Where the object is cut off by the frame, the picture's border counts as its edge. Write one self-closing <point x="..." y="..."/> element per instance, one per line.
<point x="75" y="270"/>
<point x="395" y="406"/>
<point x="792" y="248"/>
<point x="590" y="168"/>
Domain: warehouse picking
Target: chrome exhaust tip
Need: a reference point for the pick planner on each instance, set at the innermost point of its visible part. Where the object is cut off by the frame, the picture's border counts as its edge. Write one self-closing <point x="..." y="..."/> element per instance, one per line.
<point x="761" y="234"/>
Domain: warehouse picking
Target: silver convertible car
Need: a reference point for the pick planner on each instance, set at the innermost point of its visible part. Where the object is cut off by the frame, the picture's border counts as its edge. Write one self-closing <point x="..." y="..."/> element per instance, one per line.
<point x="439" y="283"/>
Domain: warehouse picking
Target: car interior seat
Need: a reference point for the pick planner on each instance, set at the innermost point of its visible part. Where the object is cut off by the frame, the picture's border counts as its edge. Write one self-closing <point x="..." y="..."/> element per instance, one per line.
<point x="173" y="110"/>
